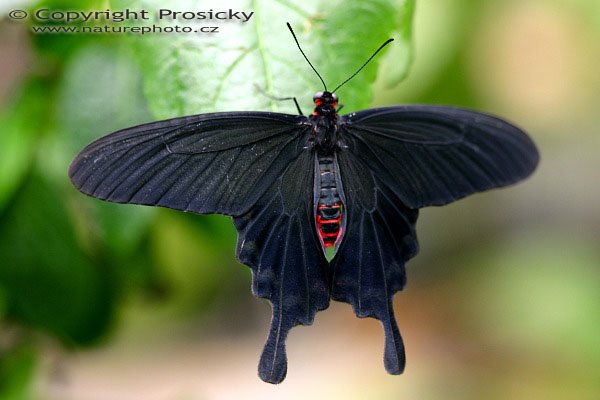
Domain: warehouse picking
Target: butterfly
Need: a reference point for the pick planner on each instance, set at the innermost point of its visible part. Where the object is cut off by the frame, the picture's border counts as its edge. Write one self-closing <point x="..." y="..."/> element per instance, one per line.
<point x="325" y="205"/>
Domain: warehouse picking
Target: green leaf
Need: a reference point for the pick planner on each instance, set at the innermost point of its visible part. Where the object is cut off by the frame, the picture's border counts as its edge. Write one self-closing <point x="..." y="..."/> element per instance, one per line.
<point x="196" y="73"/>
<point x="48" y="282"/>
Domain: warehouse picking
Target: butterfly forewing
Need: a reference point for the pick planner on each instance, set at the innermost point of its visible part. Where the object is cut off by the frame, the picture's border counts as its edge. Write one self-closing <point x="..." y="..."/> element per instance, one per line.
<point x="211" y="163"/>
<point x="432" y="155"/>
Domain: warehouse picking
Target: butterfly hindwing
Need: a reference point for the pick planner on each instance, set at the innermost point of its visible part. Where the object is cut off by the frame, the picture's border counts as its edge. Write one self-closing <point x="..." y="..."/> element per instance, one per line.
<point x="433" y="155"/>
<point x="369" y="266"/>
<point x="277" y="240"/>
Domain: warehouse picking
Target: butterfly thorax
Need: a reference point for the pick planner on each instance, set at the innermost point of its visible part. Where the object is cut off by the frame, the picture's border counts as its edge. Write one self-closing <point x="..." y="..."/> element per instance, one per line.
<point x="325" y="122"/>
<point x="325" y="134"/>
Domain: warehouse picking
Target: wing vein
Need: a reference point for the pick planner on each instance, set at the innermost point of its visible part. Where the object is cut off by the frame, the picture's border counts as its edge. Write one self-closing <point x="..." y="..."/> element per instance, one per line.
<point x="198" y="174"/>
<point x="360" y="258"/>
<point x="280" y="302"/>
<point x="262" y="253"/>
<point x="389" y="313"/>
<point x="305" y="268"/>
<point x="380" y="132"/>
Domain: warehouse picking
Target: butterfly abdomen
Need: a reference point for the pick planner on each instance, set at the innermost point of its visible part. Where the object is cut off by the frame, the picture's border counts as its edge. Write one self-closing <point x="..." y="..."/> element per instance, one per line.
<point x="329" y="215"/>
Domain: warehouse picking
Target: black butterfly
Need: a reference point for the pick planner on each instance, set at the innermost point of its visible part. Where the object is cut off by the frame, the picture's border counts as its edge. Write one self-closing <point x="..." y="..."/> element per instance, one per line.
<point x="325" y="205"/>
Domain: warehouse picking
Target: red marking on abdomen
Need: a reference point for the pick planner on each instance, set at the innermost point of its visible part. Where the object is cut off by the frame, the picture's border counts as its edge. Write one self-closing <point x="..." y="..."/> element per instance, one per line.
<point x="329" y="223"/>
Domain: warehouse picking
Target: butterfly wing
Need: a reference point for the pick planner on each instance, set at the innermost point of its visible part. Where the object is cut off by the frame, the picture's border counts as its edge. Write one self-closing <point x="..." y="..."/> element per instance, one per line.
<point x="208" y="163"/>
<point x="394" y="161"/>
<point x="253" y="166"/>
<point x="433" y="155"/>
<point x="380" y="237"/>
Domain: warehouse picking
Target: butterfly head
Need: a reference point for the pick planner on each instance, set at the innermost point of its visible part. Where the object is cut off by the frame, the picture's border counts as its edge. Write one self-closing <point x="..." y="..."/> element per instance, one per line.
<point x="325" y="103"/>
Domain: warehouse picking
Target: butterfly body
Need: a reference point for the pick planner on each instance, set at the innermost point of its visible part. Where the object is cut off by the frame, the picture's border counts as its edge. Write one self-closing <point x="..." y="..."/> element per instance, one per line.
<point x="328" y="190"/>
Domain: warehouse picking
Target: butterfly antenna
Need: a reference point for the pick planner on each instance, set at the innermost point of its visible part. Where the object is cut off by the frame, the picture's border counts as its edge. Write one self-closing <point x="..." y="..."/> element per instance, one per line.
<point x="364" y="65"/>
<point x="306" y="58"/>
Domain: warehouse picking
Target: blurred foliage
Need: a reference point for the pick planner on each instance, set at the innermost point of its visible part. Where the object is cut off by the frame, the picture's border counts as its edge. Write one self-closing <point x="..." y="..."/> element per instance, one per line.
<point x="513" y="273"/>
<point x="48" y="281"/>
<point x="69" y="263"/>
<point x="535" y="300"/>
<point x="19" y="135"/>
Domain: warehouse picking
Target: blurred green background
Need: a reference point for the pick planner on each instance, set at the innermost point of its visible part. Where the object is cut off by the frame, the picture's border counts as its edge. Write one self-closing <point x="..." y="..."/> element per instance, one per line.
<point x="106" y="301"/>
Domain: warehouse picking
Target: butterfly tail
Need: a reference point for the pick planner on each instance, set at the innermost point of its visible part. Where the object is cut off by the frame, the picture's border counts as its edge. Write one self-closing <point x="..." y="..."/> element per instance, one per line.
<point x="272" y="367"/>
<point x="394" y="357"/>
